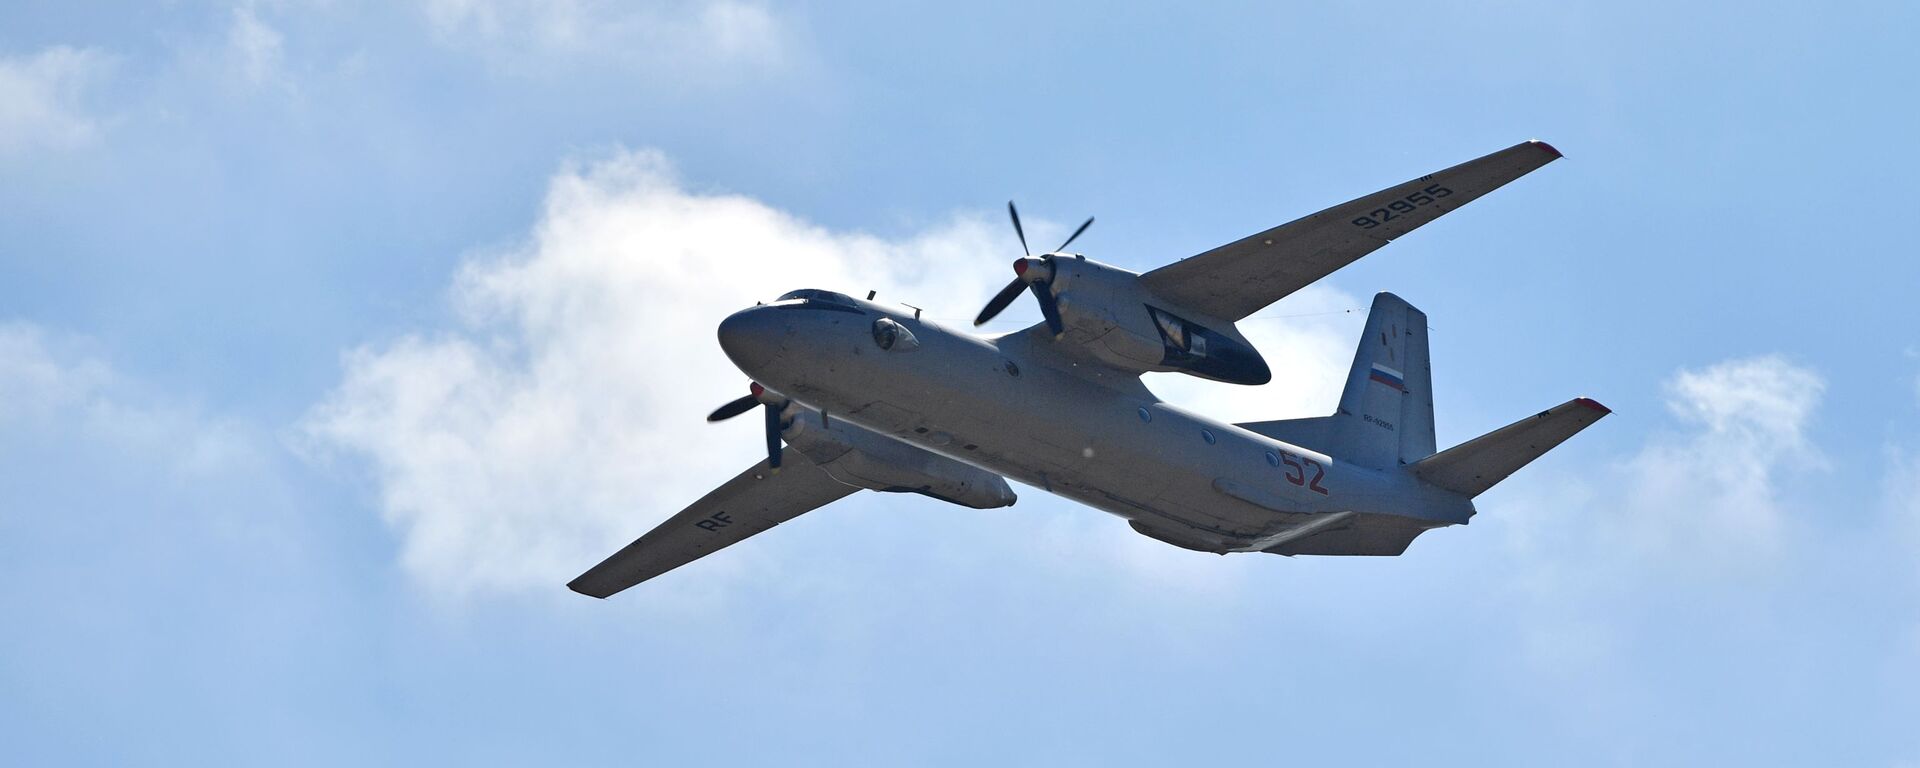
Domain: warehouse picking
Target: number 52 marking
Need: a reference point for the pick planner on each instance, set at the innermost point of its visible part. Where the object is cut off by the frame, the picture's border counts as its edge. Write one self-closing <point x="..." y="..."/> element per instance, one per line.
<point x="1297" y="474"/>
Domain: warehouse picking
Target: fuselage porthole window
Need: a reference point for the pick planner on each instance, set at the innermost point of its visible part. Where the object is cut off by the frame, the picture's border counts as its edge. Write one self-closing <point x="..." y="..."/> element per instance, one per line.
<point x="1273" y="459"/>
<point x="1145" y="415"/>
<point x="1207" y="435"/>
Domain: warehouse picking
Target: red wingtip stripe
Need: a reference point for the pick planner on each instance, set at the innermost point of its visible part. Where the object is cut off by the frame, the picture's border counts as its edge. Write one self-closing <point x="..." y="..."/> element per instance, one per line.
<point x="1594" y="404"/>
<point x="1549" y="148"/>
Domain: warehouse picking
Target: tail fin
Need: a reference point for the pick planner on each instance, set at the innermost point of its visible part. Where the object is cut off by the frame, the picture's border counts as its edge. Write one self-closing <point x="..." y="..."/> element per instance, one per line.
<point x="1389" y="393"/>
<point x="1386" y="411"/>
<point x="1472" y="467"/>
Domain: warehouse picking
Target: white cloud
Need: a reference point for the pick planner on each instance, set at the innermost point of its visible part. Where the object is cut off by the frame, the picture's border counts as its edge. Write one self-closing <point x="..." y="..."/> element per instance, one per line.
<point x="42" y="98"/>
<point x="1715" y="489"/>
<point x="255" y="46"/>
<point x="674" y="39"/>
<point x="1763" y="398"/>
<point x="1711" y="494"/>
<point x="33" y="383"/>
<point x="50" y="386"/>
<point x="565" y="414"/>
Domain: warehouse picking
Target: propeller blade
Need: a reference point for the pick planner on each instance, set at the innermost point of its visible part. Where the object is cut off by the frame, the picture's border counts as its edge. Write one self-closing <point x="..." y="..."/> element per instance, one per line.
<point x="1015" y="213"/>
<point x="773" y="436"/>
<point x="1043" y="290"/>
<point x="734" y="408"/>
<point x="1000" y="301"/>
<point x="1075" y="235"/>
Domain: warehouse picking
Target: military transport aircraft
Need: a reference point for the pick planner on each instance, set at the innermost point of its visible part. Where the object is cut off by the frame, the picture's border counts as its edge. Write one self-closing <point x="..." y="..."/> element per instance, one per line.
<point x="876" y="397"/>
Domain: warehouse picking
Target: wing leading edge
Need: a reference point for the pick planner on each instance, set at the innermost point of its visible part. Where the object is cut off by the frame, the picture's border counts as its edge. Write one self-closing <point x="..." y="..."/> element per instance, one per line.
<point x="1239" y="278"/>
<point x="754" y="501"/>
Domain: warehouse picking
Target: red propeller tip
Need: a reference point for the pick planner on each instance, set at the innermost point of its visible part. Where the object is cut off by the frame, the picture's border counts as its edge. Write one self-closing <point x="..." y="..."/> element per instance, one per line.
<point x="1020" y="267"/>
<point x="757" y="389"/>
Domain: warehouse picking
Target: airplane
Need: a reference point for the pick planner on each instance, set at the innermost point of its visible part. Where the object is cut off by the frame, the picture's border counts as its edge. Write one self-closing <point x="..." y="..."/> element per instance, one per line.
<point x="857" y="395"/>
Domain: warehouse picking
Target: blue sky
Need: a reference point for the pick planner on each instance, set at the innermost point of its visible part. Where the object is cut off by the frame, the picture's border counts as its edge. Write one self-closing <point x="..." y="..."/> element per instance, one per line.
<point x="336" y="336"/>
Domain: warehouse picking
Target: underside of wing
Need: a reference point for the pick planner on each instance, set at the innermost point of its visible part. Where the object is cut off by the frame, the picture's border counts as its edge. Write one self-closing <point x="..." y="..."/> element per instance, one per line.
<point x="756" y="500"/>
<point x="1239" y="278"/>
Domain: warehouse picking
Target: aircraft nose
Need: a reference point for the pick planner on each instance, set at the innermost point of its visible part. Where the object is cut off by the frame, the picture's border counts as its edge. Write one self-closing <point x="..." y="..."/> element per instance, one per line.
<point x="753" y="337"/>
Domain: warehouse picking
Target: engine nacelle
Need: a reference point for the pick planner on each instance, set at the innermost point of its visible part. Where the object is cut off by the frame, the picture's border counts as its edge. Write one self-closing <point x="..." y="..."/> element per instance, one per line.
<point x="866" y="459"/>
<point x="1108" y="313"/>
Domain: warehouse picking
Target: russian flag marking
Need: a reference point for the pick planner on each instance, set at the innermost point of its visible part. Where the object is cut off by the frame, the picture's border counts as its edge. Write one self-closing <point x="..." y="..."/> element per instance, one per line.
<point x="1388" y="376"/>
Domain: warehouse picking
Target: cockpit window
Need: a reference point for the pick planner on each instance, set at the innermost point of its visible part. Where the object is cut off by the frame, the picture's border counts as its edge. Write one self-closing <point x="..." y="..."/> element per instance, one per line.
<point x="814" y="294"/>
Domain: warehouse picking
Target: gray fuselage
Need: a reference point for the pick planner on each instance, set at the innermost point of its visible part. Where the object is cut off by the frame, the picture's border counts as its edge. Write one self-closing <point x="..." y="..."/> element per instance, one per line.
<point x="1017" y="406"/>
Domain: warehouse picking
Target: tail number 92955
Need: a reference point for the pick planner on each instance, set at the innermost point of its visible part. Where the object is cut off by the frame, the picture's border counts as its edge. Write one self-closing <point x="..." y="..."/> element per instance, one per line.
<point x="1403" y="206"/>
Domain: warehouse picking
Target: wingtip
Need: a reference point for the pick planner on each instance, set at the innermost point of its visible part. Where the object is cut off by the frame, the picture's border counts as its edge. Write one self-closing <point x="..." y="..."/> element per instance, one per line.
<point x="1548" y="147"/>
<point x="581" y="588"/>
<point x="1590" y="403"/>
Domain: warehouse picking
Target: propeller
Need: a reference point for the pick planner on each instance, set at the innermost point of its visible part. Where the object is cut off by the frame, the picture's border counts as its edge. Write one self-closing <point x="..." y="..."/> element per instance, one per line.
<point x="1034" y="275"/>
<point x="757" y="397"/>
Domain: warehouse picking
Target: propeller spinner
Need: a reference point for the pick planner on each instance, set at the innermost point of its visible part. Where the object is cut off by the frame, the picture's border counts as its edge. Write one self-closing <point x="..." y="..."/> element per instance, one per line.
<point x="757" y="396"/>
<point x="1034" y="275"/>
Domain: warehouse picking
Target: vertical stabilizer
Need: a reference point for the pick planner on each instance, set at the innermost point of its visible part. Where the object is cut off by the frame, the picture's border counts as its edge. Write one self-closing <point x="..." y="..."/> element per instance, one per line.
<point x="1385" y="418"/>
<point x="1389" y="394"/>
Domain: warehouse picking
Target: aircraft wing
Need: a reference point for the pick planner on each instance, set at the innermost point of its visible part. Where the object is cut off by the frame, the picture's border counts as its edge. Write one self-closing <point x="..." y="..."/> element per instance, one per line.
<point x="1239" y="278"/>
<point x="754" y="501"/>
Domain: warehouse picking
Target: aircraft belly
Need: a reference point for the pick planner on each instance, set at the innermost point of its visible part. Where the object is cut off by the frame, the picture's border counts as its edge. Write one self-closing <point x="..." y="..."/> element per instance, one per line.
<point x="970" y="403"/>
<point x="1124" y="453"/>
<point x="1121" y="479"/>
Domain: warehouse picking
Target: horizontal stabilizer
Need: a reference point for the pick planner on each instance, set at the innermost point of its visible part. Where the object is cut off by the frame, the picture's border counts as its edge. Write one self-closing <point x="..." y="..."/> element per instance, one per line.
<point x="1472" y="467"/>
